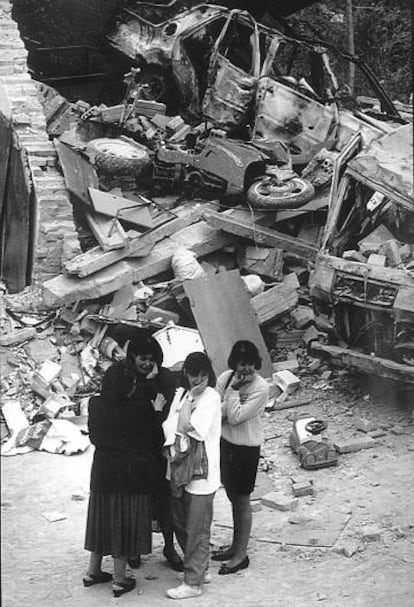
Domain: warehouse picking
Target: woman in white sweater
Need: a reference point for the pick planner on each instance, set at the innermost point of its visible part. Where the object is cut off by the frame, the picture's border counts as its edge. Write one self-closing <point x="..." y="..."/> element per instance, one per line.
<point x="193" y="428"/>
<point x="244" y="394"/>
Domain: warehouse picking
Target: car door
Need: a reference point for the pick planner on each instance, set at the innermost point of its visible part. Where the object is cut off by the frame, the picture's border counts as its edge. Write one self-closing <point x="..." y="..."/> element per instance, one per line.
<point x="233" y="72"/>
<point x="288" y="108"/>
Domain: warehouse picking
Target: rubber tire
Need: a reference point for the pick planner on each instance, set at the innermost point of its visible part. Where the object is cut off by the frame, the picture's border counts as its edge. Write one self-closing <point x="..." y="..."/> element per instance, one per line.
<point x="118" y="157"/>
<point x="293" y="195"/>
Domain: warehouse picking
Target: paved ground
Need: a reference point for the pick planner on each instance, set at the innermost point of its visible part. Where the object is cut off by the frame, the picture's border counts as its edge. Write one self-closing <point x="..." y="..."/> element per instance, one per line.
<point x="369" y="493"/>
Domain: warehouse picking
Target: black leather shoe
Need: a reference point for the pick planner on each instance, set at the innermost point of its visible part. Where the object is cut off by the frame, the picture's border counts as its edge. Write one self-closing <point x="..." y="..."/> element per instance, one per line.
<point x="134" y="562"/>
<point x="225" y="569"/>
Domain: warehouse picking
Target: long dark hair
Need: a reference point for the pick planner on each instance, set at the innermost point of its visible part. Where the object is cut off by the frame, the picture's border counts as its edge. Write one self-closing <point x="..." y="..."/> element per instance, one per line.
<point x="195" y="363"/>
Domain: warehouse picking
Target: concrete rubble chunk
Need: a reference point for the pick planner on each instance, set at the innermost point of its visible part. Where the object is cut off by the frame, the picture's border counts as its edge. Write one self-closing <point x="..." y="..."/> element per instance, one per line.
<point x="279" y="501"/>
<point x="354" y="445"/>
<point x="372" y="242"/>
<point x="17" y="336"/>
<point x="302" y="317"/>
<point x="286" y="365"/>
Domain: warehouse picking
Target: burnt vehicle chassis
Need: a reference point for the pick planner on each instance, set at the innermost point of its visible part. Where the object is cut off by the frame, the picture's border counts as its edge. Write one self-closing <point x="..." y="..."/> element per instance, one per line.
<point x="370" y="305"/>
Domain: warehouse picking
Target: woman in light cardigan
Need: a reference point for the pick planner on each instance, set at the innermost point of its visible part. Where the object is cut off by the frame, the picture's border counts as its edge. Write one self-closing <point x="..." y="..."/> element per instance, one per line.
<point x="194" y="415"/>
<point x="244" y="395"/>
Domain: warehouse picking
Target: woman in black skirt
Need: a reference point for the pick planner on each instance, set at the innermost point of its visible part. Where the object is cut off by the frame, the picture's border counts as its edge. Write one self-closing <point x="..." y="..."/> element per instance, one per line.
<point x="125" y="432"/>
<point x="244" y="394"/>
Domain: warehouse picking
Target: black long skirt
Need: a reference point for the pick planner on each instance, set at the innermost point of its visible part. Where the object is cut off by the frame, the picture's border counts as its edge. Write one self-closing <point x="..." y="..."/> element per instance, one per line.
<point x="119" y="524"/>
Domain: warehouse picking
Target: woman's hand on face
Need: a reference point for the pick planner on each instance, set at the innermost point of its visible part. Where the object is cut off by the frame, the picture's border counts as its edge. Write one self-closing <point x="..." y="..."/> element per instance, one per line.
<point x="199" y="388"/>
<point x="159" y="402"/>
<point x="153" y="373"/>
<point x="241" y="379"/>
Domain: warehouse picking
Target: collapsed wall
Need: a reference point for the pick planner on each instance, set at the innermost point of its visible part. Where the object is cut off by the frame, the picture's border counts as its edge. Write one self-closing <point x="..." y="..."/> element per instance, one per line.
<point x="38" y="232"/>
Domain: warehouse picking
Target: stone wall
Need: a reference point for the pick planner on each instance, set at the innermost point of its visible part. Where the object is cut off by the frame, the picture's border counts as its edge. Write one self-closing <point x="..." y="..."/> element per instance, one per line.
<point x="52" y="228"/>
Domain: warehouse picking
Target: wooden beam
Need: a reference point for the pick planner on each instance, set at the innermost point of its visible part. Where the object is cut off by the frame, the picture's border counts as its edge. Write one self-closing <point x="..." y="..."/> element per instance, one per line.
<point x="260" y="235"/>
<point x="366" y="363"/>
<point x="96" y="259"/>
<point x="68" y="289"/>
<point x="200" y="238"/>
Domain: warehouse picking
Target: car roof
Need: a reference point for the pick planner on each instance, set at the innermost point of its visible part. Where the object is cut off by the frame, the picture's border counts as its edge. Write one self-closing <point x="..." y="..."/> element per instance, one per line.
<point x="387" y="164"/>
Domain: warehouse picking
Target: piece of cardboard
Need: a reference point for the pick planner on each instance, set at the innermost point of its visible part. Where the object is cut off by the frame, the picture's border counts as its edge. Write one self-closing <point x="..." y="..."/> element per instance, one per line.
<point x="122" y="208"/>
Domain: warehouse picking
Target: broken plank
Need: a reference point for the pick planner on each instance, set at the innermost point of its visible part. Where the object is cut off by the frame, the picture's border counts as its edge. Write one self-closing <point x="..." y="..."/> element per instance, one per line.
<point x="260" y="235"/>
<point x="108" y="232"/>
<point x="96" y="259"/>
<point x="301" y="402"/>
<point x="199" y="237"/>
<point x="79" y="175"/>
<point x="274" y="302"/>
<point x="68" y="289"/>
<point x="224" y="315"/>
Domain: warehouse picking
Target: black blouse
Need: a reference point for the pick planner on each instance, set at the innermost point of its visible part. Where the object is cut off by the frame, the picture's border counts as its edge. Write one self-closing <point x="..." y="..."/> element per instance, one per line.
<point x="128" y="438"/>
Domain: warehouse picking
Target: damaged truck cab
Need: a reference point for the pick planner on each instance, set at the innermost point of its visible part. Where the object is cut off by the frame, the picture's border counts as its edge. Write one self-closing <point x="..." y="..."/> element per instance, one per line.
<point x="364" y="273"/>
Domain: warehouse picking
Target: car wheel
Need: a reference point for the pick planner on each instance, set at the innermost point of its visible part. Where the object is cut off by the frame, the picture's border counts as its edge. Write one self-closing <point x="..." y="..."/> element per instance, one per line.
<point x="267" y="194"/>
<point x="118" y="157"/>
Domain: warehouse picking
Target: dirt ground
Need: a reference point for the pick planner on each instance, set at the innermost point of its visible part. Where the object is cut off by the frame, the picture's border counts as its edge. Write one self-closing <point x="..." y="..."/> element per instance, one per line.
<point x="362" y="510"/>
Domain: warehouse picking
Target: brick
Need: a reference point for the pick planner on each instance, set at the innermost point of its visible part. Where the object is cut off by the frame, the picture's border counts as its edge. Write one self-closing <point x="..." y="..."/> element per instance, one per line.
<point x="377" y="433"/>
<point x="371" y="534"/>
<point x="364" y="425"/>
<point x="354" y="445"/>
<point x="301" y="489"/>
<point x="279" y="501"/>
<point x="377" y="260"/>
<point x="326" y="375"/>
<point x="286" y="381"/>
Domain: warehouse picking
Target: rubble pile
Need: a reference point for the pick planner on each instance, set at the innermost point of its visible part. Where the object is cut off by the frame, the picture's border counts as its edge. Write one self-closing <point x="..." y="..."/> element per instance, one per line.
<point x="217" y="211"/>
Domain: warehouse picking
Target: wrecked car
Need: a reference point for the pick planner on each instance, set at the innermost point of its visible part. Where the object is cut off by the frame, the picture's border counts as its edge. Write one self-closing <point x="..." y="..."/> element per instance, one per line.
<point x="187" y="60"/>
<point x="363" y="277"/>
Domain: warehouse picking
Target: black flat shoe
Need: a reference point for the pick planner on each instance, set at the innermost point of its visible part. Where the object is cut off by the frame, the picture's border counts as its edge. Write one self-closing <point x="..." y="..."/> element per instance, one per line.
<point x="99" y="578"/>
<point x="225" y="569"/>
<point x="120" y="588"/>
<point x="174" y="560"/>
<point x="221" y="555"/>
<point x="134" y="562"/>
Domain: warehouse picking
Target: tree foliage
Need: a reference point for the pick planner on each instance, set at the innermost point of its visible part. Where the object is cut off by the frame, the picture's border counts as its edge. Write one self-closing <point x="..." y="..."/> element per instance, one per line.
<point x="382" y="30"/>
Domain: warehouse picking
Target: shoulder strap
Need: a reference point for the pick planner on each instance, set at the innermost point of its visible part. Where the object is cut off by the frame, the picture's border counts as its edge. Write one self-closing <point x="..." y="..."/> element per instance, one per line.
<point x="228" y="382"/>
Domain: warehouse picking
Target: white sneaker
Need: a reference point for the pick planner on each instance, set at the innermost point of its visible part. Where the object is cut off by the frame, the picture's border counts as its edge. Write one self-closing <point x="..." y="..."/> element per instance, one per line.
<point x="206" y="580"/>
<point x="184" y="591"/>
